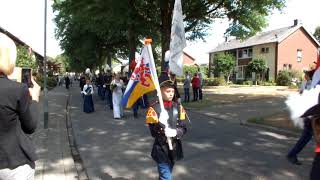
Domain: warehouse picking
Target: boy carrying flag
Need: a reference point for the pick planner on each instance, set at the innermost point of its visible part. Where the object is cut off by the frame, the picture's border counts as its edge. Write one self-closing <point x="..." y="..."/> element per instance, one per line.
<point x="170" y="124"/>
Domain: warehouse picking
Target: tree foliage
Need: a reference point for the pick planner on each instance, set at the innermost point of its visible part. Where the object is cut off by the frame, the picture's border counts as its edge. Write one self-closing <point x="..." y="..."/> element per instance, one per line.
<point x="64" y="63"/>
<point x="224" y="63"/>
<point x="316" y="33"/>
<point x="25" y="59"/>
<point x="91" y="31"/>
<point x="257" y="66"/>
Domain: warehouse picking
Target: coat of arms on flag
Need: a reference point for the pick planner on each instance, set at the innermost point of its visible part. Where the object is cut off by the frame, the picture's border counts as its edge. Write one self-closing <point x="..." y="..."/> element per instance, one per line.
<point x="140" y="82"/>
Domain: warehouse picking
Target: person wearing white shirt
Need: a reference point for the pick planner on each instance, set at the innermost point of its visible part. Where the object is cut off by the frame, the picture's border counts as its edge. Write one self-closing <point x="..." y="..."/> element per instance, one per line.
<point x="116" y="87"/>
<point x="87" y="91"/>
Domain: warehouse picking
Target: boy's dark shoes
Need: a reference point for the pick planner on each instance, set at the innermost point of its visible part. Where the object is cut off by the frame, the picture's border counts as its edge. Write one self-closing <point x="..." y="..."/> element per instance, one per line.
<point x="294" y="160"/>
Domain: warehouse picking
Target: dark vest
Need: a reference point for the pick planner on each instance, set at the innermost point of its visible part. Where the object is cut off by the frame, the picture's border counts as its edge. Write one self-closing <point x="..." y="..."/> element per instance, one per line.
<point x="160" y="151"/>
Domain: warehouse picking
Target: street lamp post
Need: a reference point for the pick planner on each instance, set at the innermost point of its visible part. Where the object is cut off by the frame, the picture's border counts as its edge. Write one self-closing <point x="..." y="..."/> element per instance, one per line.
<point x="45" y="90"/>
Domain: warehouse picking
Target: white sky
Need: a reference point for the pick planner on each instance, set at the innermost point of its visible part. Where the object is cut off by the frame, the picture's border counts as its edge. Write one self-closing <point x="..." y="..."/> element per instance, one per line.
<point x="25" y="19"/>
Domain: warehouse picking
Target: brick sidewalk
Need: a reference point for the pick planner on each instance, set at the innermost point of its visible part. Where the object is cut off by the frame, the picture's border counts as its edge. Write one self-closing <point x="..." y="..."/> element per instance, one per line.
<point x="55" y="160"/>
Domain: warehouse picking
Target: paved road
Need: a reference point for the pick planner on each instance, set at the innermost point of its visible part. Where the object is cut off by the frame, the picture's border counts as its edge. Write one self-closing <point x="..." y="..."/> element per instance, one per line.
<point x="243" y="111"/>
<point x="214" y="149"/>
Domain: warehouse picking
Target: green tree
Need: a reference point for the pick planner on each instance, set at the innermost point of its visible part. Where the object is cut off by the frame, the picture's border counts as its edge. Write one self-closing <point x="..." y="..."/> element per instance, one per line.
<point x="224" y="63"/>
<point x="258" y="66"/>
<point x="116" y="26"/>
<point x="63" y="62"/>
<point x="25" y="59"/>
<point x="316" y="33"/>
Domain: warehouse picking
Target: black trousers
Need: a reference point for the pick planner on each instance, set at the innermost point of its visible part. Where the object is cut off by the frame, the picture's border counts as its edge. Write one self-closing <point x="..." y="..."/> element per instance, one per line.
<point x="200" y="93"/>
<point x="305" y="137"/>
<point x="195" y="94"/>
<point x="315" y="170"/>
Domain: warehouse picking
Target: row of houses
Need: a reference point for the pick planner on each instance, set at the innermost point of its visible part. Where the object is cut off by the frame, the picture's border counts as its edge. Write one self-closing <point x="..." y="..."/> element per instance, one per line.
<point x="288" y="48"/>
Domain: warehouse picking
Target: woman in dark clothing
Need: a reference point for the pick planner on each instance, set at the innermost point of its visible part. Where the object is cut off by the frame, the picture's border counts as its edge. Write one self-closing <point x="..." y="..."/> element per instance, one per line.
<point x="88" y="105"/>
<point x="17" y="152"/>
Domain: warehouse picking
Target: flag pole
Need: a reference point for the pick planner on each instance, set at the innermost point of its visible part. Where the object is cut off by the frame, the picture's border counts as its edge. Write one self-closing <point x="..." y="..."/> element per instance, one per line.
<point x="154" y="75"/>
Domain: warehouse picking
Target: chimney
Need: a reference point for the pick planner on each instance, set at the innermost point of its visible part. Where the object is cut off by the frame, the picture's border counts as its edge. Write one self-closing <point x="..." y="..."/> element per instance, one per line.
<point x="296" y="22"/>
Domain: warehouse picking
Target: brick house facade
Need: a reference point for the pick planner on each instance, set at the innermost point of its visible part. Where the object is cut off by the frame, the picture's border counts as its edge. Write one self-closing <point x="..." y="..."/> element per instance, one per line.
<point x="288" y="48"/>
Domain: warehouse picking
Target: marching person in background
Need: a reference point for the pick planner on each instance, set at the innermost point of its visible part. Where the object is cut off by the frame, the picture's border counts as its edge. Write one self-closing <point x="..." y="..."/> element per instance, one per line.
<point x="142" y="102"/>
<point x="176" y="97"/>
<point x="306" y="134"/>
<point x="17" y="152"/>
<point x="306" y="83"/>
<point x="186" y="87"/>
<point x="87" y="91"/>
<point x="100" y="83"/>
<point x="116" y="87"/>
<point x="171" y="125"/>
<point x="195" y="86"/>
<point x="67" y="81"/>
<point x="82" y="81"/>
<point x="107" y="78"/>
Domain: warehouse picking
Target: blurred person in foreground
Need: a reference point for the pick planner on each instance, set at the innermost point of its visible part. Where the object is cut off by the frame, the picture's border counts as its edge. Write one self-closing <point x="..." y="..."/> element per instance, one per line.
<point x="17" y="152"/>
<point x="306" y="134"/>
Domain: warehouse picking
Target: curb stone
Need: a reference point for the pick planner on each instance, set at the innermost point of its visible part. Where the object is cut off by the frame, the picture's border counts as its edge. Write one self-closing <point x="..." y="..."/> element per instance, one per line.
<point x="81" y="171"/>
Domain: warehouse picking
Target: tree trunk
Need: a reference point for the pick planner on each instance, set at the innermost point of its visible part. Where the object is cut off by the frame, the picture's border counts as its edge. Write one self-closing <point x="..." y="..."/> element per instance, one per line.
<point x="131" y="36"/>
<point x="166" y="7"/>
<point x="109" y="59"/>
<point x="132" y="45"/>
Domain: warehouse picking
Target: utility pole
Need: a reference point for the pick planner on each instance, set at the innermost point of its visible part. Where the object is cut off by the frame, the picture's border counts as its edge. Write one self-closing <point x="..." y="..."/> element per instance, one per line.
<point x="45" y="89"/>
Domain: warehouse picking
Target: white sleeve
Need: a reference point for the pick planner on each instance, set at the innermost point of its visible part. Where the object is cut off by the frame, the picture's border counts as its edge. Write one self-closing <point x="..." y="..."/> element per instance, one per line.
<point x="83" y="90"/>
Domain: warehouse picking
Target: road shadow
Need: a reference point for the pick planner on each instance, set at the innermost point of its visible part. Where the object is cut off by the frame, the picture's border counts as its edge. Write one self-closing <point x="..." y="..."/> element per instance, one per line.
<point x="213" y="149"/>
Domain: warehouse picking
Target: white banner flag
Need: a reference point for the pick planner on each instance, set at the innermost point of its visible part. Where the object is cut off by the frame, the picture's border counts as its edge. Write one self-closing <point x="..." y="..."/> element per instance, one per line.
<point x="178" y="40"/>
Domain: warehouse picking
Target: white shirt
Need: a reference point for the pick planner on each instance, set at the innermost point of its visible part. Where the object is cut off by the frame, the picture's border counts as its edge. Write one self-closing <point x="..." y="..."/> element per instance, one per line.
<point x="85" y="91"/>
<point x="119" y="84"/>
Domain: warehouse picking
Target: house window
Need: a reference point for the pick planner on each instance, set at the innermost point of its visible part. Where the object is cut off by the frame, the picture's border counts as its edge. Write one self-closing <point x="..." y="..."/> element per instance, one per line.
<point x="290" y="66"/>
<point x="265" y="50"/>
<point x="285" y="66"/>
<point x="250" y="53"/>
<point x="239" y="54"/>
<point x="299" y="55"/>
<point x="241" y="72"/>
<point x="245" y="53"/>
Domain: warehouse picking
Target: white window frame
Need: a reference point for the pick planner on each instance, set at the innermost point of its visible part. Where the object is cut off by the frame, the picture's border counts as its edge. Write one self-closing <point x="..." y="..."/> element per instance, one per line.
<point x="299" y="55"/>
<point x="245" y="53"/>
<point x="241" y="73"/>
